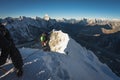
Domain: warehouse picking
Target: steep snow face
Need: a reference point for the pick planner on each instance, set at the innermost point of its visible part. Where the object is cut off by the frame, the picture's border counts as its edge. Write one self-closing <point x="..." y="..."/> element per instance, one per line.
<point x="82" y="64"/>
<point x="78" y="64"/>
<point x="58" y="41"/>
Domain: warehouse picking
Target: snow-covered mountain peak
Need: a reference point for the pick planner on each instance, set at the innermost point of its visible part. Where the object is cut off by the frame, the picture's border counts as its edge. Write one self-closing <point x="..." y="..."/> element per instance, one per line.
<point x="58" y="41"/>
<point x="46" y="17"/>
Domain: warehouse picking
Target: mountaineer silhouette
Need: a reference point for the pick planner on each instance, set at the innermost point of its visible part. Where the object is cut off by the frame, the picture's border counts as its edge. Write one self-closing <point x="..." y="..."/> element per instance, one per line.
<point x="8" y="49"/>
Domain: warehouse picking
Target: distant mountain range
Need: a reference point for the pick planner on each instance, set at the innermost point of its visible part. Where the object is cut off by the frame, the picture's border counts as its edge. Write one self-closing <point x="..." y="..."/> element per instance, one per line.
<point x="27" y="29"/>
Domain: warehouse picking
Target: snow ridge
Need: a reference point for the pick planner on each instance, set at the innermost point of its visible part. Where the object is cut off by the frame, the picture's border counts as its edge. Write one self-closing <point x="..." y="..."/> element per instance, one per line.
<point x="78" y="64"/>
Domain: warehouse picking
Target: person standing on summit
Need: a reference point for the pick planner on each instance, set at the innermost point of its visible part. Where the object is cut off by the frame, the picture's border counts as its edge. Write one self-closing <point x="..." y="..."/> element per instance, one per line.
<point x="8" y="49"/>
<point x="44" y="39"/>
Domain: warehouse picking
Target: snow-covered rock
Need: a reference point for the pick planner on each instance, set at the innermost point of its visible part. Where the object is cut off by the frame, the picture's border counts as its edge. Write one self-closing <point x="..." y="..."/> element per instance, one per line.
<point x="78" y="64"/>
<point x="58" y="41"/>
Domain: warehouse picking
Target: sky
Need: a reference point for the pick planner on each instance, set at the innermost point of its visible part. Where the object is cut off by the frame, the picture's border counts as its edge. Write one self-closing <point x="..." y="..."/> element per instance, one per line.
<point x="61" y="8"/>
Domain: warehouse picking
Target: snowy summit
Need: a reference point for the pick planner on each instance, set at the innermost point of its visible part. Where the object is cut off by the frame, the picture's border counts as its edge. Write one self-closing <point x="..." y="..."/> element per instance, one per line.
<point x="76" y="62"/>
<point x="46" y="17"/>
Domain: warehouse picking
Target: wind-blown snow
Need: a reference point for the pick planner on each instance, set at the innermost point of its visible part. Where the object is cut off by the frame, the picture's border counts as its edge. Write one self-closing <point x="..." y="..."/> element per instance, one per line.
<point x="79" y="64"/>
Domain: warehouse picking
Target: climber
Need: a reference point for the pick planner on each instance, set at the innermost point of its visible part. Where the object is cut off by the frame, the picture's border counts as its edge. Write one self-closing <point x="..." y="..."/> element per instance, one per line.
<point x="44" y="40"/>
<point x="8" y="49"/>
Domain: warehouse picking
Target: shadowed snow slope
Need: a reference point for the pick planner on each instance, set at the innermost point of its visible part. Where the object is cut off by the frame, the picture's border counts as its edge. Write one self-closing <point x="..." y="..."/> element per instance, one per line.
<point x="77" y="64"/>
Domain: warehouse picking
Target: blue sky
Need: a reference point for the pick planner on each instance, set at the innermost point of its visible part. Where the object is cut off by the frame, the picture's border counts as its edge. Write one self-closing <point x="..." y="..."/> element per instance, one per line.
<point x="61" y="8"/>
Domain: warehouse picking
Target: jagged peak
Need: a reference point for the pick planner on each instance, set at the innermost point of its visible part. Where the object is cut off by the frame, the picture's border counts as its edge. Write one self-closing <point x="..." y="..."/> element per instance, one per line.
<point x="46" y="17"/>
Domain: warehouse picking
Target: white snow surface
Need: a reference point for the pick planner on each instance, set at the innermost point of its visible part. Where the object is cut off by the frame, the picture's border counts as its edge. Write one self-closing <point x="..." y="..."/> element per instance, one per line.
<point x="46" y="17"/>
<point x="58" y="41"/>
<point x="79" y="64"/>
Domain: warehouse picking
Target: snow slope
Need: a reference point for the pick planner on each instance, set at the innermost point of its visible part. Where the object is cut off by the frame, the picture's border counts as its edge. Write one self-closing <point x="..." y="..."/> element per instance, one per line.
<point x="79" y="64"/>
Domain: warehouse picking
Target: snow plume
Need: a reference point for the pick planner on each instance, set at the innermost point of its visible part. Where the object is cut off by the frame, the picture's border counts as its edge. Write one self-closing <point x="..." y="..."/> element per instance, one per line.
<point x="58" y="41"/>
